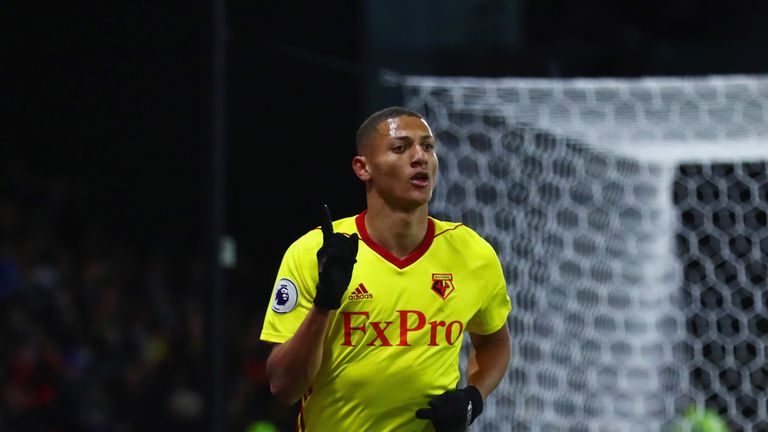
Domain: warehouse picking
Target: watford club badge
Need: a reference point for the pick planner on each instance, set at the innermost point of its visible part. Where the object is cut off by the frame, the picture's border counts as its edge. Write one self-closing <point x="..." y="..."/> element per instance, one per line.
<point x="442" y="284"/>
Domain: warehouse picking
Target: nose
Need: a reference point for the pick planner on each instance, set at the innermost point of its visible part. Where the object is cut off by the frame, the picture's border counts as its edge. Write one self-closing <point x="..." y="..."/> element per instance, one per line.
<point x="419" y="156"/>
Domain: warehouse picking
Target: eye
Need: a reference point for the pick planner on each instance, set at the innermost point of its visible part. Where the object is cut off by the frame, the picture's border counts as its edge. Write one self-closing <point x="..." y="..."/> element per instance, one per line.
<point x="428" y="146"/>
<point x="398" y="148"/>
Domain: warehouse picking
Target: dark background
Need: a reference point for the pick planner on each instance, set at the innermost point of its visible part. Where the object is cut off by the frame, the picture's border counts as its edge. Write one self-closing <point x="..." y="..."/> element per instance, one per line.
<point x="107" y="133"/>
<point x="117" y="95"/>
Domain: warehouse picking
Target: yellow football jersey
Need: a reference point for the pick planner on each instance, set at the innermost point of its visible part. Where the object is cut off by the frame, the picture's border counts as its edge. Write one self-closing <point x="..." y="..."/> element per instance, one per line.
<point x="395" y="341"/>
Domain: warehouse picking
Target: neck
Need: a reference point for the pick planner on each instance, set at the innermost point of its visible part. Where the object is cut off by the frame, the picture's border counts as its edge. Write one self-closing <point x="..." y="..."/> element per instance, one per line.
<point x="398" y="231"/>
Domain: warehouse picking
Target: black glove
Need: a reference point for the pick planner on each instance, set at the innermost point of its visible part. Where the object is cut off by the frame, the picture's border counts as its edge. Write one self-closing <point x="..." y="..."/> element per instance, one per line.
<point x="335" y="260"/>
<point x="454" y="410"/>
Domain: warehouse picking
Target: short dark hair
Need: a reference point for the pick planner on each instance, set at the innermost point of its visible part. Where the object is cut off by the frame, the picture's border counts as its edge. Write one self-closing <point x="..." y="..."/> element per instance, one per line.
<point x="368" y="127"/>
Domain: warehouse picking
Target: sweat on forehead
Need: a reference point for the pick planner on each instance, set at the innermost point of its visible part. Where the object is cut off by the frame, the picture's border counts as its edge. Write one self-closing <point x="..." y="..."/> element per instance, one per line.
<point x="374" y="122"/>
<point x="389" y="126"/>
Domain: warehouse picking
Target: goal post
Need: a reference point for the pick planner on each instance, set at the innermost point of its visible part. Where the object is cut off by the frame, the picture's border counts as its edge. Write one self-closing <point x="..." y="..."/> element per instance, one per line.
<point x="630" y="217"/>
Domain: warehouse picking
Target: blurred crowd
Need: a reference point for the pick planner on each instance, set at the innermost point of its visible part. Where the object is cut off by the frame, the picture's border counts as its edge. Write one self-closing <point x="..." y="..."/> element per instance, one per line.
<point x="99" y="334"/>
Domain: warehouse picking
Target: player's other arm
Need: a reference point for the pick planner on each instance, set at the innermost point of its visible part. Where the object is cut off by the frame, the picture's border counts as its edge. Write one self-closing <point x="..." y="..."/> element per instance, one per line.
<point x="489" y="360"/>
<point x="455" y="410"/>
<point x="292" y="366"/>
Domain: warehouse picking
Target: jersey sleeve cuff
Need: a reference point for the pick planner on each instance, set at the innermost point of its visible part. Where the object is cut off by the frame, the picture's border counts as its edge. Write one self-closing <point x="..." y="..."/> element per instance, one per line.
<point x="274" y="337"/>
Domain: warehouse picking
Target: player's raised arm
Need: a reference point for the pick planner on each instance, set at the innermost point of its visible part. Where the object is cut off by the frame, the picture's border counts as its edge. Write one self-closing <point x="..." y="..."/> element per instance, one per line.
<point x="293" y="365"/>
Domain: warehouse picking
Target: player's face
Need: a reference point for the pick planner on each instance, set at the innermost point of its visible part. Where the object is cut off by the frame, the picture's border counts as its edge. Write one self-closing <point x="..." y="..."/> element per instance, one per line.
<point x="402" y="162"/>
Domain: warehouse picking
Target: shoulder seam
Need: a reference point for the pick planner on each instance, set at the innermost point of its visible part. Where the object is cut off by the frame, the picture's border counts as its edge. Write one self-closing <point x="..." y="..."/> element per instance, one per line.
<point x="449" y="229"/>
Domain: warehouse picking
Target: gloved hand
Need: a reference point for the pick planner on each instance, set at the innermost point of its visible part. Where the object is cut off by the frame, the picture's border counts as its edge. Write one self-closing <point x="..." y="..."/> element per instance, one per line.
<point x="335" y="261"/>
<point x="454" y="410"/>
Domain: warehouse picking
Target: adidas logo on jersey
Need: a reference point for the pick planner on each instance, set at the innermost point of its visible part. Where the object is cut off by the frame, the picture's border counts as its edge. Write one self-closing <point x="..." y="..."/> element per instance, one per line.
<point x="360" y="293"/>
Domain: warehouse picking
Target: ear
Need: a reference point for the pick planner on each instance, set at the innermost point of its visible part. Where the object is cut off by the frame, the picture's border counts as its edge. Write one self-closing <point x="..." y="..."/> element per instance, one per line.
<point x="360" y="167"/>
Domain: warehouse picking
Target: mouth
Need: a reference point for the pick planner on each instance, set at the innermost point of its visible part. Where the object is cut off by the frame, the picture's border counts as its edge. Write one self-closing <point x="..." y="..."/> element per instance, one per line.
<point x="420" y="179"/>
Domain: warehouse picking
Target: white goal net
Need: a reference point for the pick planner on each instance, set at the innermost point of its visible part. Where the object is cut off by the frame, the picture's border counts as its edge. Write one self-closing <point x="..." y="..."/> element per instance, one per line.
<point x="630" y="216"/>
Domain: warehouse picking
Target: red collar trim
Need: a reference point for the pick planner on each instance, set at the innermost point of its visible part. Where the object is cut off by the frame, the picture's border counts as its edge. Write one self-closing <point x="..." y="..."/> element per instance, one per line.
<point x="399" y="263"/>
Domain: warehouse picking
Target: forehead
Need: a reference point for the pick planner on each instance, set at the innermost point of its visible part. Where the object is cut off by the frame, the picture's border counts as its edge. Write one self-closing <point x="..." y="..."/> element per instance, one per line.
<point x="404" y="125"/>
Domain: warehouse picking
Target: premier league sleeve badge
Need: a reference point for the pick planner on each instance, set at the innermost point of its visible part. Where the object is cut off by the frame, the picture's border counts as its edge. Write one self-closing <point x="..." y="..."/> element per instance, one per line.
<point x="286" y="296"/>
